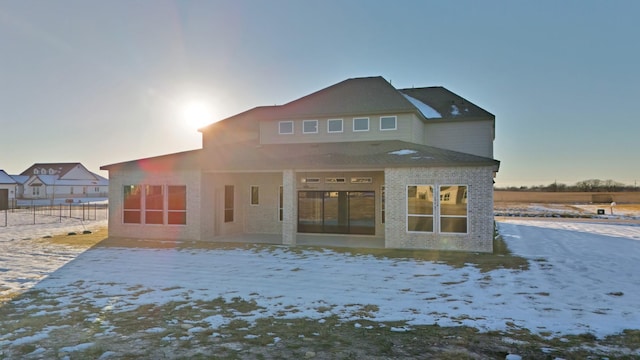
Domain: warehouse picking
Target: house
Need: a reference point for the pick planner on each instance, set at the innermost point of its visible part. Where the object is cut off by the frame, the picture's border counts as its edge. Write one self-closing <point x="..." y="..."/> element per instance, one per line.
<point x="359" y="162"/>
<point x="59" y="182"/>
<point x="8" y="189"/>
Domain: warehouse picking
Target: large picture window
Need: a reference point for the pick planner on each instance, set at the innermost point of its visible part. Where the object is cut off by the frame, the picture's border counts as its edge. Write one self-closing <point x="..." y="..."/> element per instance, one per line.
<point x="132" y="204"/>
<point x="177" y="199"/>
<point x="420" y="208"/>
<point x="453" y="209"/>
<point x="154" y="204"/>
<point x="338" y="212"/>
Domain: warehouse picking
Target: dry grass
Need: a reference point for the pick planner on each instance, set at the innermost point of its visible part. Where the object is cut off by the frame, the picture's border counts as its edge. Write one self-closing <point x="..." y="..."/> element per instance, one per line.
<point x="80" y="240"/>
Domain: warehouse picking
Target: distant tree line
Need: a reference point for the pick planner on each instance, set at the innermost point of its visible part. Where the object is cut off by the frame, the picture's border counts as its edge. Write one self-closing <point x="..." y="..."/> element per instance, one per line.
<point x="591" y="185"/>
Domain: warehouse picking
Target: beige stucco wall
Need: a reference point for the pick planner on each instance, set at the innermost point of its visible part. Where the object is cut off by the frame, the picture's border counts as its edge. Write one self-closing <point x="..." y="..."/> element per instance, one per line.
<point x="250" y="219"/>
<point x="480" y="208"/>
<point x="117" y="181"/>
<point x="472" y="137"/>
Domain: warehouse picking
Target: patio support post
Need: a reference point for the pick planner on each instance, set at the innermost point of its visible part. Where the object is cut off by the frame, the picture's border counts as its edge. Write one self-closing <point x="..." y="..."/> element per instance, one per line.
<point x="289" y="217"/>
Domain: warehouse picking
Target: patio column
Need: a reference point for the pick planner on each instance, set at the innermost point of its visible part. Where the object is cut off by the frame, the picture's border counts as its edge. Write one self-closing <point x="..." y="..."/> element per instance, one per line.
<point x="289" y="211"/>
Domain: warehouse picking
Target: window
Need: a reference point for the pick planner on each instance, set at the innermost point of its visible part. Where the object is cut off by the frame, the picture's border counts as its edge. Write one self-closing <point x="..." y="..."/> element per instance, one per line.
<point x="388" y="123"/>
<point x="132" y="204"/>
<point x="420" y="208"/>
<point x="281" y="203"/>
<point x="228" y="203"/>
<point x="154" y="201"/>
<point x="177" y="201"/>
<point x="334" y="125"/>
<point x="361" y="124"/>
<point x="285" y="127"/>
<point x="453" y="209"/>
<point x="255" y="195"/>
<point x="310" y="126"/>
<point x="333" y="180"/>
<point x="336" y="212"/>
<point x="154" y="204"/>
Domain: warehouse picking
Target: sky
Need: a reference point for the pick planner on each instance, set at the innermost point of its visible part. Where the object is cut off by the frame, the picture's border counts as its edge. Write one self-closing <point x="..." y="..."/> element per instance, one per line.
<point x="101" y="82"/>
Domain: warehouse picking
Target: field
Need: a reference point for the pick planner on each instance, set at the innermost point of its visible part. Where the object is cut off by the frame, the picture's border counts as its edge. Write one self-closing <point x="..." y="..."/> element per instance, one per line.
<point x="555" y="288"/>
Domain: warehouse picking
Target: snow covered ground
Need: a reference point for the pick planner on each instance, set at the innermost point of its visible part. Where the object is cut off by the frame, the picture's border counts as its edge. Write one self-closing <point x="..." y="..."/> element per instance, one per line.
<point x="582" y="278"/>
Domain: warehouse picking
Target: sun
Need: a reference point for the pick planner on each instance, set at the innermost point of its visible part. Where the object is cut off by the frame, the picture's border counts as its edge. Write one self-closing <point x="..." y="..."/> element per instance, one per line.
<point x="196" y="113"/>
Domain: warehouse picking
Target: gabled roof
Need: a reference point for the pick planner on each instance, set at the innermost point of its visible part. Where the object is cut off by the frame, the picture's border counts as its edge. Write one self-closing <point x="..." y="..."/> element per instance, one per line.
<point x="5" y="178"/>
<point x="360" y="96"/>
<point x="61" y="168"/>
<point x="359" y="155"/>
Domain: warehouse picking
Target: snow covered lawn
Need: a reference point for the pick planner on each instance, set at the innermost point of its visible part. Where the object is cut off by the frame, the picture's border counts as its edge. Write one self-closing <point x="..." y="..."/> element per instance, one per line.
<point x="582" y="278"/>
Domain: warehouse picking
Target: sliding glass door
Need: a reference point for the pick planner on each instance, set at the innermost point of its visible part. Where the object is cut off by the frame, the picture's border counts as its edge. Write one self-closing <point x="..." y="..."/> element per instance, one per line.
<point x="336" y="212"/>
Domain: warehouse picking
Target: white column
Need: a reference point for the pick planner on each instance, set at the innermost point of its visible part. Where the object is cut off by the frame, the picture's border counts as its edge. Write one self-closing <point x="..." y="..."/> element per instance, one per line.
<point x="289" y="218"/>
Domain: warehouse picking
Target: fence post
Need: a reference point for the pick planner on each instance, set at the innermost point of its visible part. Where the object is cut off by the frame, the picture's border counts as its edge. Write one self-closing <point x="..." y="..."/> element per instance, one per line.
<point x="60" y="211"/>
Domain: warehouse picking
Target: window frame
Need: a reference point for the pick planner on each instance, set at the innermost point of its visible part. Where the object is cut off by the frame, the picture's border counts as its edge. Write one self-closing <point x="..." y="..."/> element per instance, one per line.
<point x="305" y="122"/>
<point x="149" y="212"/>
<point x="329" y="121"/>
<point x="132" y="210"/>
<point x="254" y="195"/>
<point x="280" y="123"/>
<point x="412" y="215"/>
<point x="176" y="210"/>
<point x="355" y="120"/>
<point x="229" y="203"/>
<point x="447" y="197"/>
<point x="395" y="122"/>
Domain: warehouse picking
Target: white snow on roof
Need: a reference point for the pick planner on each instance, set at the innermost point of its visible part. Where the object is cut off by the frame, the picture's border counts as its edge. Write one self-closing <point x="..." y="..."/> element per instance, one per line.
<point x="403" y="152"/>
<point x="454" y="110"/>
<point x="426" y="110"/>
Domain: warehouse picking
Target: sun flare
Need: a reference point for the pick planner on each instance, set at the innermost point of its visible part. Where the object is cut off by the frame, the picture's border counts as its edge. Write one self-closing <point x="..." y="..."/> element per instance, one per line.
<point x="196" y="113"/>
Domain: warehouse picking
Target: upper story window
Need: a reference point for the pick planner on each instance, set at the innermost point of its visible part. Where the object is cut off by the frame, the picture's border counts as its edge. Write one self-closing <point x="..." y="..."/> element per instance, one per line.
<point x="285" y="127"/>
<point x="310" y="126"/>
<point x="388" y="123"/>
<point x="334" y="125"/>
<point x="360" y="124"/>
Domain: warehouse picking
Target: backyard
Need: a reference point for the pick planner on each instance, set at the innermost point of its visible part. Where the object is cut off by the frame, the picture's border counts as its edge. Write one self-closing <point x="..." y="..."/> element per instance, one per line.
<point x="554" y="288"/>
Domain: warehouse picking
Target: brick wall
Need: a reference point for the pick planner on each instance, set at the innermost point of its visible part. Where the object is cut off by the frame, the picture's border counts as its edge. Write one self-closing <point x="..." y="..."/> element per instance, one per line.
<point x="479" y="182"/>
<point x="117" y="181"/>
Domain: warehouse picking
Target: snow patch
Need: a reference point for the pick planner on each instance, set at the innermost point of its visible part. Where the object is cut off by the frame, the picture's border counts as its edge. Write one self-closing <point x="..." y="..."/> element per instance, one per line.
<point x="426" y="110"/>
<point x="403" y="152"/>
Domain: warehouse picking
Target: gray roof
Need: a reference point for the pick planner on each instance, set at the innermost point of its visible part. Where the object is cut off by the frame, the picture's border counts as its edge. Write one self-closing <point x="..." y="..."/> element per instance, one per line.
<point x="5" y="178"/>
<point x="447" y="103"/>
<point x="359" y="155"/>
<point x="359" y="96"/>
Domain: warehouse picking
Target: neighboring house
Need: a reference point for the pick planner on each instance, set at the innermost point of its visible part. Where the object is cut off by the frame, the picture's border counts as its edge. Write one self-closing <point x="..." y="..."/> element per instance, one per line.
<point x="359" y="160"/>
<point x="61" y="182"/>
<point x="8" y="189"/>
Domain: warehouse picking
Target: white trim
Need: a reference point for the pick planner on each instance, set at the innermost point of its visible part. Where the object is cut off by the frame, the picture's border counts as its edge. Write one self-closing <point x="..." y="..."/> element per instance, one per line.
<point x="304" y="122"/>
<point x="440" y="216"/>
<point x="395" y="123"/>
<point x="341" y="126"/>
<point x="280" y="123"/>
<point x="361" y="118"/>
<point x="432" y="216"/>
